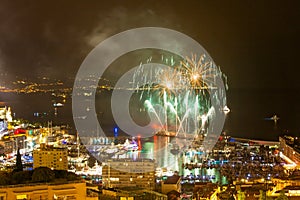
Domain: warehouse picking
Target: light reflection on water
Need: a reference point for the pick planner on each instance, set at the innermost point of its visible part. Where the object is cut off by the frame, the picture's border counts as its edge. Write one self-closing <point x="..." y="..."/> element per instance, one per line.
<point x="159" y="148"/>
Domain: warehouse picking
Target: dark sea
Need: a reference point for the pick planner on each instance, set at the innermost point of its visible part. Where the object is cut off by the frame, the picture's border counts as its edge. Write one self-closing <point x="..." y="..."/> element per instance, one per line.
<point x="250" y="110"/>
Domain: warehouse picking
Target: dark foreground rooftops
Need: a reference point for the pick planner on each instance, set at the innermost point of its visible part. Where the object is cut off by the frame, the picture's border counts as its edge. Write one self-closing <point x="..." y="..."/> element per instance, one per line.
<point x="172" y="179"/>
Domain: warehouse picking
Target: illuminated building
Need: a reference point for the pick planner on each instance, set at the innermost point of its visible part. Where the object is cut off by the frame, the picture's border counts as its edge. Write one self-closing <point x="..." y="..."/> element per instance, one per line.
<point x="5" y="114"/>
<point x="5" y="118"/>
<point x="11" y="144"/>
<point x="128" y="173"/>
<point x="51" y="157"/>
<point x="286" y="145"/>
<point x="71" y="191"/>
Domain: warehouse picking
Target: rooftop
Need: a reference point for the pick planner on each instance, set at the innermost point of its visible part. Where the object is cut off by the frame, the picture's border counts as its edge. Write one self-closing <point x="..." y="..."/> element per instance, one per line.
<point x="172" y="180"/>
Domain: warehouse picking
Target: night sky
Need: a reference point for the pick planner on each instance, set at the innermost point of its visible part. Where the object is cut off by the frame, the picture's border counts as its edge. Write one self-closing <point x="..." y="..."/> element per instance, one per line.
<point x="256" y="44"/>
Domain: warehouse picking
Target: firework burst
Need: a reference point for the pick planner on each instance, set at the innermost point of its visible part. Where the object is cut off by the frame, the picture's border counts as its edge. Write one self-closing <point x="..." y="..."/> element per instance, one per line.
<point x="171" y="82"/>
<point x="179" y="95"/>
<point x="199" y="72"/>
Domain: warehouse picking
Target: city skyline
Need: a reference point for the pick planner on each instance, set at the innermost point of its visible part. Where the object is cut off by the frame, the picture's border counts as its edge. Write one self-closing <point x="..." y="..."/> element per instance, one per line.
<point x="254" y="43"/>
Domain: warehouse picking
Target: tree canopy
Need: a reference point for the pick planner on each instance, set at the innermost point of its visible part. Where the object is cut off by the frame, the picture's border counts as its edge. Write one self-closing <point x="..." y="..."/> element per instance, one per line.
<point x="43" y="174"/>
<point x="38" y="175"/>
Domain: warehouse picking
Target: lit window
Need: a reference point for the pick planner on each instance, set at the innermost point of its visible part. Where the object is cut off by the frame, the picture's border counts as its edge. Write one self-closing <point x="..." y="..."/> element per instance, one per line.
<point x="21" y="196"/>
